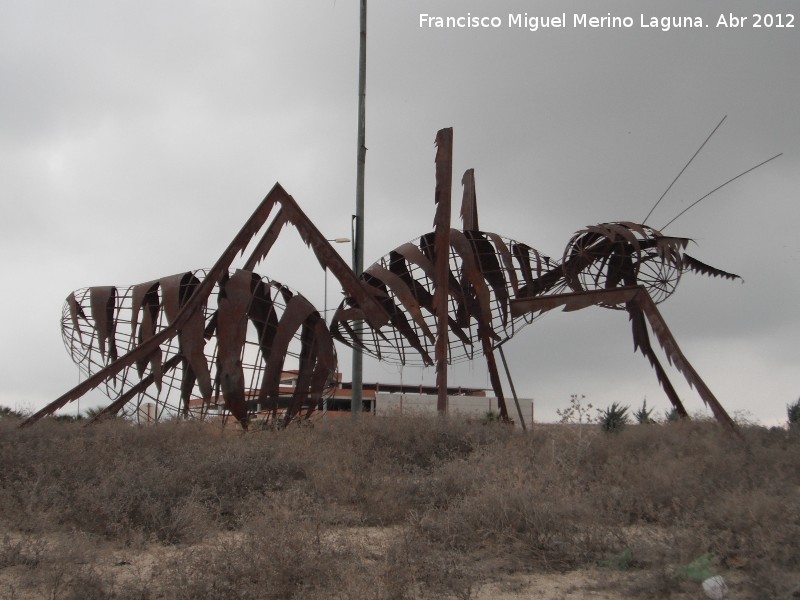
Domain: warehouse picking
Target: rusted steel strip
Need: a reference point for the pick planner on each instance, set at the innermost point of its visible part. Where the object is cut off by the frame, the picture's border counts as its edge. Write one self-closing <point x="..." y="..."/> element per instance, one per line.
<point x="672" y="242"/>
<point x="264" y="317"/>
<point x="460" y="334"/>
<point x="522" y="253"/>
<point x="191" y="337"/>
<point x="403" y="293"/>
<point x="513" y="389"/>
<point x="234" y="301"/>
<point x="489" y="266"/>
<point x="494" y="377"/>
<point x="692" y="264"/>
<point x="416" y="257"/>
<point x="308" y="357"/>
<point x="103" y="302"/>
<point x="398" y="266"/>
<point x="298" y="309"/>
<point x="546" y="275"/>
<point x="573" y="300"/>
<point x="470" y="269"/>
<point x="406" y="332"/>
<point x="469" y="202"/>
<point x="326" y="363"/>
<point x="176" y="290"/>
<point x="441" y="248"/>
<point x="142" y="292"/>
<point x="625" y="233"/>
<point x="118" y="404"/>
<point x="642" y="230"/>
<point x="267" y="240"/>
<point x="676" y="357"/>
<point x="641" y="341"/>
<point x="601" y="232"/>
<point x="329" y="258"/>
<point x="344" y="314"/>
<point x="171" y="296"/>
<point x="145" y="298"/>
<point x="75" y="311"/>
<point x="508" y="263"/>
<point x="398" y="320"/>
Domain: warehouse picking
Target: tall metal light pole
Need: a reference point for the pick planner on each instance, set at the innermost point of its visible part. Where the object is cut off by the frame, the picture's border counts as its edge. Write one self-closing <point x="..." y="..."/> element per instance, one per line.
<point x="339" y="240"/>
<point x="358" y="237"/>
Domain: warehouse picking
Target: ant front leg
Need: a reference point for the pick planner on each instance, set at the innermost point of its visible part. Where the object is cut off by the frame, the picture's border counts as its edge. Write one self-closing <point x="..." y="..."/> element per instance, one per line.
<point x="641" y="341"/>
<point x="640" y="306"/>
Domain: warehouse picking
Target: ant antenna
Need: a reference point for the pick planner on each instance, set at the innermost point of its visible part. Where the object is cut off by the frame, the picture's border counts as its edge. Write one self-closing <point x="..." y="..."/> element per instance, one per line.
<point x="683" y="169"/>
<point x="720" y="187"/>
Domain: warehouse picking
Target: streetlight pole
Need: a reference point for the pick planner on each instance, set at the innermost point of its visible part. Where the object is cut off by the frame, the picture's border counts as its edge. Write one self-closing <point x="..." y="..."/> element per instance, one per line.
<point x="339" y="240"/>
<point x="358" y="245"/>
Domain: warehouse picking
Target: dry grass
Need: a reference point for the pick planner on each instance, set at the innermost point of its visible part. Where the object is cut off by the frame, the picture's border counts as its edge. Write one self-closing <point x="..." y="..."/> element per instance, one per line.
<point x="389" y="508"/>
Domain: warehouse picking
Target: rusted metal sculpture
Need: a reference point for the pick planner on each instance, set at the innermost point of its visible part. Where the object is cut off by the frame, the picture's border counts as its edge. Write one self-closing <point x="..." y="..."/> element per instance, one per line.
<point x="244" y="342"/>
<point x="221" y="336"/>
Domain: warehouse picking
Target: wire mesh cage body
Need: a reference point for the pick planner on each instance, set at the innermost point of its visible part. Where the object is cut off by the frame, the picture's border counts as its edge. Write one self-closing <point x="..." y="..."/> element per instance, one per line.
<point x="236" y="348"/>
<point x="611" y="255"/>
<point x="486" y="272"/>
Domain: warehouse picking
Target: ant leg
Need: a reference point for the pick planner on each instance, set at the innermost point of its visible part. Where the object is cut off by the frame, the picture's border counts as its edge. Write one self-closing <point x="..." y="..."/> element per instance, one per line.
<point x="494" y="377"/>
<point x="117" y="405"/>
<point x="641" y="341"/>
<point x="676" y="357"/>
<point x="638" y="297"/>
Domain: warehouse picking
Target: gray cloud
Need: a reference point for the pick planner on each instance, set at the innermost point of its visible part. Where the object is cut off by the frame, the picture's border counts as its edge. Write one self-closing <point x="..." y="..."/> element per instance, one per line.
<point x="136" y="137"/>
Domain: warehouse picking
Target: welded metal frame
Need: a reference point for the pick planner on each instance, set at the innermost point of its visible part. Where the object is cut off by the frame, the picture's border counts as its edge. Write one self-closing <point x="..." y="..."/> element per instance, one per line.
<point x="223" y="335"/>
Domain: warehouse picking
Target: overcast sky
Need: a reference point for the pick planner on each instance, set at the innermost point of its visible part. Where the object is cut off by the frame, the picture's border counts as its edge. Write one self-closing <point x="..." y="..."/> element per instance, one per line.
<point x="136" y="137"/>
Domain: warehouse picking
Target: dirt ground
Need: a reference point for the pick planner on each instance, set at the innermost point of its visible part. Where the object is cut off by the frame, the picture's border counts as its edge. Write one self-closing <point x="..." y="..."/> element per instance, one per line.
<point x="56" y="561"/>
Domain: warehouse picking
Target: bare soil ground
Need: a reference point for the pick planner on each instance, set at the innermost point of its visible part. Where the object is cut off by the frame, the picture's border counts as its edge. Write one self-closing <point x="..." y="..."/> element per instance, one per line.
<point x="140" y="572"/>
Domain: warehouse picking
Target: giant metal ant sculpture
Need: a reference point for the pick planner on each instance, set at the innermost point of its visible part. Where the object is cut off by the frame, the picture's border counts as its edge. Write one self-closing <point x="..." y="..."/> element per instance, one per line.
<point x="450" y="293"/>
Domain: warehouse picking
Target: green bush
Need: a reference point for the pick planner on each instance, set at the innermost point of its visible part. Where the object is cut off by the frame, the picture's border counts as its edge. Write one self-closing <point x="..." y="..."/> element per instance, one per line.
<point x="793" y="414"/>
<point x="614" y="418"/>
<point x="644" y="416"/>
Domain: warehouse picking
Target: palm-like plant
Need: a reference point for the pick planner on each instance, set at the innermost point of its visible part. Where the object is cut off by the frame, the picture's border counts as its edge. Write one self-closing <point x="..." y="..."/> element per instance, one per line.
<point x="644" y="415"/>
<point x="8" y="412"/>
<point x="614" y="418"/>
<point x="793" y="414"/>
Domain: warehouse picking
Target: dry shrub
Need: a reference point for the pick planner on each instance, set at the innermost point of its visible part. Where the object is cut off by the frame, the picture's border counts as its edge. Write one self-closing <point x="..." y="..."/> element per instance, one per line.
<point x="387" y="467"/>
<point x="172" y="482"/>
<point x="61" y="567"/>
<point x="519" y="509"/>
<point x="21" y="551"/>
<point x="283" y="554"/>
<point x="246" y="513"/>
<point x="736" y="496"/>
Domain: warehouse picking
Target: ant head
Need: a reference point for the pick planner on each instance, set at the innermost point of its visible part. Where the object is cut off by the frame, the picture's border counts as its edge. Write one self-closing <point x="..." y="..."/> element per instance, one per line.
<point x="612" y="255"/>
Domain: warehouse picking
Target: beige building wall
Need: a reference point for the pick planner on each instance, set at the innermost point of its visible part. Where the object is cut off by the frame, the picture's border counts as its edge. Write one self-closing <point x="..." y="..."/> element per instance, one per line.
<point x="387" y="403"/>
